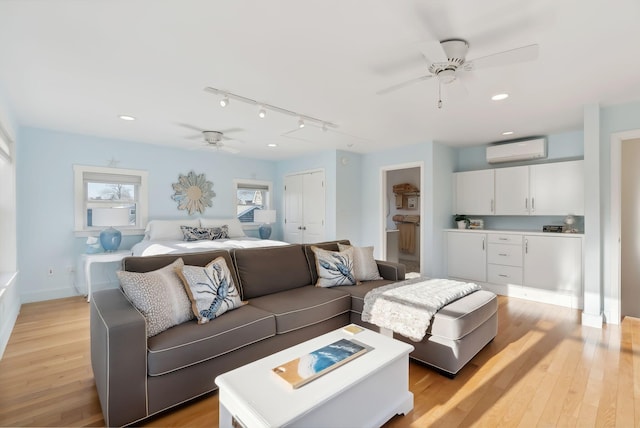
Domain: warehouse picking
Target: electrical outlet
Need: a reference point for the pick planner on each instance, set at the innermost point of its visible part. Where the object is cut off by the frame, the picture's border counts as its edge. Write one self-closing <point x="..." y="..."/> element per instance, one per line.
<point x="50" y="271"/>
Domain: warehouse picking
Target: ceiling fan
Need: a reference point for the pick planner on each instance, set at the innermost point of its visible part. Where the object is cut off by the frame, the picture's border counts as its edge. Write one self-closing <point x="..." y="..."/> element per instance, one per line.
<point x="214" y="139"/>
<point x="446" y="61"/>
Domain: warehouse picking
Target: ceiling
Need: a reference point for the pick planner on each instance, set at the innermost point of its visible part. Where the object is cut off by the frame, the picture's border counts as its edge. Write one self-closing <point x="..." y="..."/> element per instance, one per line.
<point x="75" y="66"/>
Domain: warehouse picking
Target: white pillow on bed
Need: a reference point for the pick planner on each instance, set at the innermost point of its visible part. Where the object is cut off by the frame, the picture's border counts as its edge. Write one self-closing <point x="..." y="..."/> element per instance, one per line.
<point x="234" y="225"/>
<point x="166" y="230"/>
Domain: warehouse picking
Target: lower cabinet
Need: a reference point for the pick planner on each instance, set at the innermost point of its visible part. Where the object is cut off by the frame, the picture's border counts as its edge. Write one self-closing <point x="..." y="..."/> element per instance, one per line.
<point x="542" y="267"/>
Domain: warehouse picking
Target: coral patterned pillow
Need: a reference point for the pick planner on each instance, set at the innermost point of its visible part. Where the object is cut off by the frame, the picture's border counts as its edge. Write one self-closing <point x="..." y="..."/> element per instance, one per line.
<point x="334" y="267"/>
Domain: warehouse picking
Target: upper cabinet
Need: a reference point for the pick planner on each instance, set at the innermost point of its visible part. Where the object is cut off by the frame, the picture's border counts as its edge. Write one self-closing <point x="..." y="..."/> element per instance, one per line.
<point x="543" y="189"/>
<point x="474" y="192"/>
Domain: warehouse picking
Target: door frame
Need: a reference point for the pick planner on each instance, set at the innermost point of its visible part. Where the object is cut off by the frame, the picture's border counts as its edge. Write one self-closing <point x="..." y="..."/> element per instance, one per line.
<point x="384" y="206"/>
<point x="613" y="292"/>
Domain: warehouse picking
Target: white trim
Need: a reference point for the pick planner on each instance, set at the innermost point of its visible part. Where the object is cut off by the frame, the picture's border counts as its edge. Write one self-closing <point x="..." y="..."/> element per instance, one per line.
<point x="142" y="207"/>
<point x="383" y="207"/>
<point x="613" y="294"/>
<point x="4" y="136"/>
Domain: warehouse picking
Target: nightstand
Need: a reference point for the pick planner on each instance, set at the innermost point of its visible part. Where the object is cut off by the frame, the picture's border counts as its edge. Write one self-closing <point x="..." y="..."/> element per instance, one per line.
<point x="89" y="259"/>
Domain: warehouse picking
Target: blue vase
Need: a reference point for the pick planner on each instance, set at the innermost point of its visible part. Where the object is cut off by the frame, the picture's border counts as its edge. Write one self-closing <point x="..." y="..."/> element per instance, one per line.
<point x="265" y="231"/>
<point x="110" y="239"/>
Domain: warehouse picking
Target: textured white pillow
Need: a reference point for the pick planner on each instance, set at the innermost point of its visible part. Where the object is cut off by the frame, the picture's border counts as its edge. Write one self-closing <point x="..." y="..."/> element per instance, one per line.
<point x="365" y="267"/>
<point x="234" y="225"/>
<point x="334" y="268"/>
<point x="159" y="296"/>
<point x="169" y="230"/>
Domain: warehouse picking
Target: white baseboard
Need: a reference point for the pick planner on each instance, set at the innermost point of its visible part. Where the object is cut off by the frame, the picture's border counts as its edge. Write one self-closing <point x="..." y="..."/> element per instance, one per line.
<point x="591" y="320"/>
<point x="9" y="311"/>
<point x="536" y="295"/>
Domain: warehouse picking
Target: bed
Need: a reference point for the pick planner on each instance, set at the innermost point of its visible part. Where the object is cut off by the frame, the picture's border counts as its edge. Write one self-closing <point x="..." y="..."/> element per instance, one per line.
<point x="166" y="237"/>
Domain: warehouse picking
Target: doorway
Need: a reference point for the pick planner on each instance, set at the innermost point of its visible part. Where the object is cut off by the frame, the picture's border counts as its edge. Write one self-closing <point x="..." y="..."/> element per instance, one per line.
<point x="402" y="213"/>
<point x="618" y="292"/>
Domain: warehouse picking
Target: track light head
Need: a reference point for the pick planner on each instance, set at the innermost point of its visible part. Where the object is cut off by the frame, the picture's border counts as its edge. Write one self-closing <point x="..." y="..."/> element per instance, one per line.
<point x="262" y="113"/>
<point x="300" y="123"/>
<point x="224" y="101"/>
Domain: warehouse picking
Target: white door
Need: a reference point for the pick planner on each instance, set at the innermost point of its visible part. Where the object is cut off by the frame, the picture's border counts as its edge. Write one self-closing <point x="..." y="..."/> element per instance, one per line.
<point x="553" y="263"/>
<point x="512" y="191"/>
<point x="475" y="192"/>
<point x="557" y="188"/>
<point x="467" y="256"/>
<point x="304" y="208"/>
<point x="293" y="192"/>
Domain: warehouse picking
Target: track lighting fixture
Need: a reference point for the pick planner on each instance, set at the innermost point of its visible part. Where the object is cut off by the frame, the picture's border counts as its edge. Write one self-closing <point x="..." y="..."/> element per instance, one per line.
<point x="263" y="107"/>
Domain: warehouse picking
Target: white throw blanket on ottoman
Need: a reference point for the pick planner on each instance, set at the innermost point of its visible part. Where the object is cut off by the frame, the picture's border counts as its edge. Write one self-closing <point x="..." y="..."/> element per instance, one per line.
<point x="407" y="307"/>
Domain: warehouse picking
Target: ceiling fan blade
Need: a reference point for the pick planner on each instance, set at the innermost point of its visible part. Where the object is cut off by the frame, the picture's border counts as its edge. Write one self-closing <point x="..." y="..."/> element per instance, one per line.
<point x="523" y="54"/>
<point x="193" y="128"/>
<point x="433" y="52"/>
<point x="456" y="89"/>
<point x="230" y="130"/>
<point x="403" y="84"/>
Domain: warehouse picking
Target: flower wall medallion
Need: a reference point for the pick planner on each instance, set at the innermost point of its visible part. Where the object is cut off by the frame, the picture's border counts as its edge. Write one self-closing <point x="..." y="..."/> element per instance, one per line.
<point x="193" y="192"/>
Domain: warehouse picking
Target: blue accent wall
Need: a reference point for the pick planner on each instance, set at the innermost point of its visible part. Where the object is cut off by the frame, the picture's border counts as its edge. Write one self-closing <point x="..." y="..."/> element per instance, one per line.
<point x="45" y="199"/>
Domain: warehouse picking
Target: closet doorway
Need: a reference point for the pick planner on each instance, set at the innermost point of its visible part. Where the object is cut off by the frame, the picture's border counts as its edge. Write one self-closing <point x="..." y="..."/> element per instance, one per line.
<point x="402" y="213"/>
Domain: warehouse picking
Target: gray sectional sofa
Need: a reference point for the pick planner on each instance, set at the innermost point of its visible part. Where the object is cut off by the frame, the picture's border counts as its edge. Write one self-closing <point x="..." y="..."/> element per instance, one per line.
<point x="137" y="377"/>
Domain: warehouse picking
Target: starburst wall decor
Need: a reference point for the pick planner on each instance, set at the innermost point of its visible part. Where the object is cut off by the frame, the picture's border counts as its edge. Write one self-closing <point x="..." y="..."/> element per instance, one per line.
<point x="193" y="192"/>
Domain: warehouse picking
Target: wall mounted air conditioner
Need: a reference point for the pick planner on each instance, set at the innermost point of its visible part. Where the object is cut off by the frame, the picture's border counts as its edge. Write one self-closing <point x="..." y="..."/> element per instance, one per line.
<point x="517" y="151"/>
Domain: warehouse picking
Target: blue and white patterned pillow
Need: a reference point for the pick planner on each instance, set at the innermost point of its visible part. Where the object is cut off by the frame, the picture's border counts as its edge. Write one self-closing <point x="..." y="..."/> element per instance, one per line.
<point x="204" y="233"/>
<point x="211" y="289"/>
<point x="334" y="267"/>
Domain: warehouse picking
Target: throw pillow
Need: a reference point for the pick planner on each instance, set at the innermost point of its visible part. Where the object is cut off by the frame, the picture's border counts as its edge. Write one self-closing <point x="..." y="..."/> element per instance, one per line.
<point x="334" y="268"/>
<point x="204" y="233"/>
<point x="211" y="289"/>
<point x="159" y="296"/>
<point x="365" y="267"/>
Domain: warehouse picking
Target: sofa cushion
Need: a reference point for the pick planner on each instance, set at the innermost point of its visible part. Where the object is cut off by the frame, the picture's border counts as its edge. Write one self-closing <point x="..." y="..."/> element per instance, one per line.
<point x="365" y="267"/>
<point x="303" y="306"/>
<point x="190" y="343"/>
<point x="334" y="267"/>
<point x="211" y="289"/>
<point x="460" y="317"/>
<point x="311" y="257"/>
<point x="159" y="295"/>
<point x="268" y="270"/>
<point x="149" y="263"/>
<point x="358" y="292"/>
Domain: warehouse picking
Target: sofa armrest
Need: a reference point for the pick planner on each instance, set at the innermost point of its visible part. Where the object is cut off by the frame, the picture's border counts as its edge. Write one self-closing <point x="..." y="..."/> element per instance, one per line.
<point x="118" y="357"/>
<point x="390" y="270"/>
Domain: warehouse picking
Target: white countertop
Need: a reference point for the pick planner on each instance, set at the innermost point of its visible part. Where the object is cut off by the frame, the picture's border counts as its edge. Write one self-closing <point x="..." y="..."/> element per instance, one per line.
<point x="518" y="232"/>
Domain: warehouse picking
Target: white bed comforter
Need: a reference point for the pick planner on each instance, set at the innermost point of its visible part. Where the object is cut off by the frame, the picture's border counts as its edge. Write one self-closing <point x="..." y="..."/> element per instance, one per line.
<point x="150" y="248"/>
<point x="407" y="307"/>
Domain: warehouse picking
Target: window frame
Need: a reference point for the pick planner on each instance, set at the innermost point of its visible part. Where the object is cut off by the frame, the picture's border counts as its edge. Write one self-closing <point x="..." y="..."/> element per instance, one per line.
<point x="239" y="183"/>
<point x="80" y="199"/>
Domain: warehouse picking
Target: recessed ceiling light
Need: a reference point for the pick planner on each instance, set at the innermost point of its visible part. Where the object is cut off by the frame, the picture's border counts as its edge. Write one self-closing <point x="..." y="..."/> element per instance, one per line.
<point x="224" y="101"/>
<point x="507" y="133"/>
<point x="500" y="97"/>
<point x="262" y="112"/>
<point x="272" y="145"/>
<point x="125" y="117"/>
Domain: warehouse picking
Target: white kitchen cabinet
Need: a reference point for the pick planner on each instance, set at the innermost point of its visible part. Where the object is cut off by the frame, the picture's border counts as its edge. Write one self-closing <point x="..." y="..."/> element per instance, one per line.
<point x="543" y="189"/>
<point x="304" y="200"/>
<point x="467" y="256"/>
<point x="474" y="192"/>
<point x="557" y="188"/>
<point x="553" y="263"/>
<point x="512" y="191"/>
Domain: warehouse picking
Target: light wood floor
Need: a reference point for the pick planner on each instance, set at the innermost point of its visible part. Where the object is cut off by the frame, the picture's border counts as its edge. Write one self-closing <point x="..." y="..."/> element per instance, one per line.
<point x="543" y="369"/>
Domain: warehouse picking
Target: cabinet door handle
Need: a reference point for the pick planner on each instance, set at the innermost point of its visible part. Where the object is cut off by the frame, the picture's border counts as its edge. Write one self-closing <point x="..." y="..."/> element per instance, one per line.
<point x="503" y="255"/>
<point x="526" y="246"/>
<point x="526" y="203"/>
<point x="482" y="244"/>
<point x="492" y="205"/>
<point x="503" y="275"/>
<point x="533" y="204"/>
<point x="503" y="239"/>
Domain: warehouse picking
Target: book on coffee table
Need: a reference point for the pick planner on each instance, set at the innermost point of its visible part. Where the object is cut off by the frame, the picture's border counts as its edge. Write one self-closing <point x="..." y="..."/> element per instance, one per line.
<point x="308" y="367"/>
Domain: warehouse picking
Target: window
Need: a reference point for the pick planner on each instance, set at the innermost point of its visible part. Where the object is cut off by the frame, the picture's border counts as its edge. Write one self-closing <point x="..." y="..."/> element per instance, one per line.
<point x="251" y="195"/>
<point x="101" y="187"/>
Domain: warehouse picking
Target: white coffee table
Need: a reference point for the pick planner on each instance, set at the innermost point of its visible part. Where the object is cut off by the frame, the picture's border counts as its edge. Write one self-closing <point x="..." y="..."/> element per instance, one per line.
<point x="364" y="392"/>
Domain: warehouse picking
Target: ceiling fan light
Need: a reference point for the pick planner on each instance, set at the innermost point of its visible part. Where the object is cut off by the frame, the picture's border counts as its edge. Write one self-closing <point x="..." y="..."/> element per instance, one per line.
<point x="500" y="97"/>
<point x="126" y="117"/>
<point x="272" y="145"/>
<point x="300" y="123"/>
<point x="224" y="101"/>
<point x="507" y="133"/>
<point x="446" y="76"/>
<point x="262" y="113"/>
